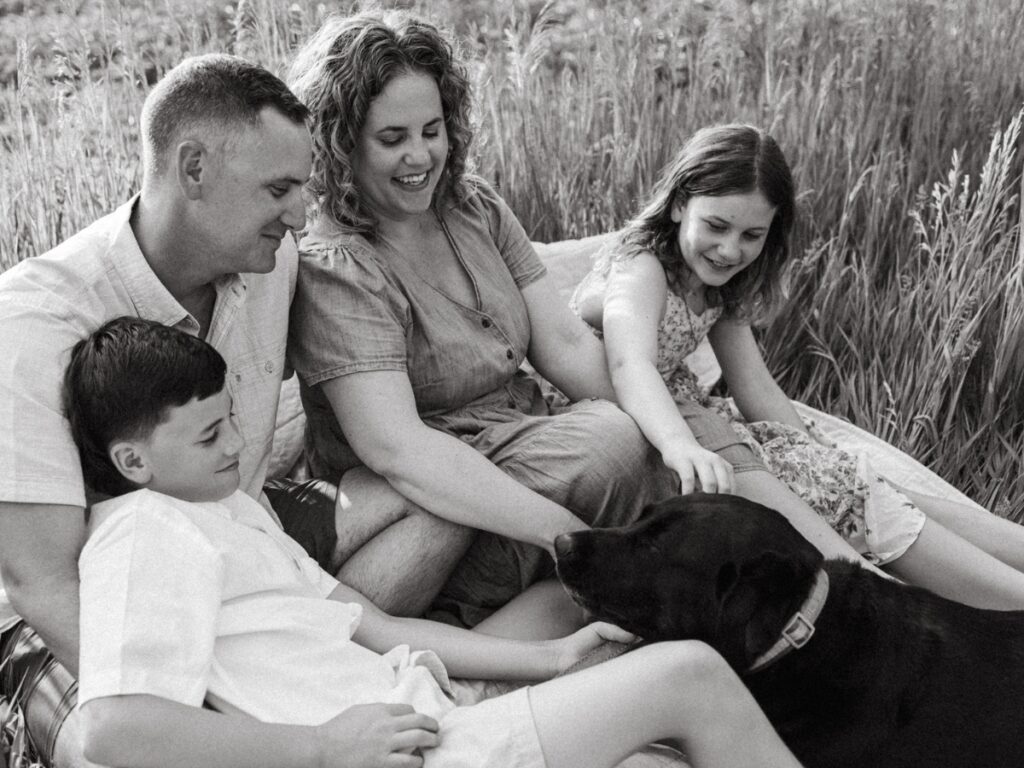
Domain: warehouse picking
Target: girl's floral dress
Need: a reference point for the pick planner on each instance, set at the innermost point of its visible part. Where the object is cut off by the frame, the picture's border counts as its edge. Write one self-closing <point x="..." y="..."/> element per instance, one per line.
<point x="876" y="519"/>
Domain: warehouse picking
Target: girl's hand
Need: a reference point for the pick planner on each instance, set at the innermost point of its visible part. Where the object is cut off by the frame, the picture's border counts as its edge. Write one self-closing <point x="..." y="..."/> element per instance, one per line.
<point x="573" y="648"/>
<point x="699" y="468"/>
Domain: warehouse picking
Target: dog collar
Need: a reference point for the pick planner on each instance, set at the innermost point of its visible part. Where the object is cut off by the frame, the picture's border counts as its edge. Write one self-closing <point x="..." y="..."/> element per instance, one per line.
<point x="800" y="627"/>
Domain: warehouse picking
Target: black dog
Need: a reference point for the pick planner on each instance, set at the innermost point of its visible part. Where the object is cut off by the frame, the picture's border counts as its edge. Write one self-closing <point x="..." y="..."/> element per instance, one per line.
<point x="874" y="673"/>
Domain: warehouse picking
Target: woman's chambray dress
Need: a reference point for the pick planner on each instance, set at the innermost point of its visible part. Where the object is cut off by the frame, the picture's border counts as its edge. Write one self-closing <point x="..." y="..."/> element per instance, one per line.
<point x="360" y="306"/>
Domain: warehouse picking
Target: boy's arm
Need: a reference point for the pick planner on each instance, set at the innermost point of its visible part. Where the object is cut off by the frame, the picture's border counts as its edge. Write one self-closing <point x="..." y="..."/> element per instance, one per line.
<point x="142" y="731"/>
<point x="474" y="654"/>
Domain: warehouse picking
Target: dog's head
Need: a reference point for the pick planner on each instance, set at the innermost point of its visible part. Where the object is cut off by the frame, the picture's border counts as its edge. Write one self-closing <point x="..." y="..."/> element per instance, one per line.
<point x="714" y="567"/>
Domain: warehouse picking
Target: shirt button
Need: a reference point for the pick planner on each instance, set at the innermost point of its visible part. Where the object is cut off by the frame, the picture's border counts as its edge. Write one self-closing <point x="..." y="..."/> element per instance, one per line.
<point x="508" y="354"/>
<point x="485" y="323"/>
<point x="238" y="377"/>
<point x="269" y="367"/>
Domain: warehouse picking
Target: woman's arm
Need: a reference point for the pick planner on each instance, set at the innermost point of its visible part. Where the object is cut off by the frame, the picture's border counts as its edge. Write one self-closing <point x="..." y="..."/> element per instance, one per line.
<point x="474" y="654"/>
<point x="751" y="384"/>
<point x="442" y="474"/>
<point x="634" y="304"/>
<point x="562" y="348"/>
<point x="142" y="730"/>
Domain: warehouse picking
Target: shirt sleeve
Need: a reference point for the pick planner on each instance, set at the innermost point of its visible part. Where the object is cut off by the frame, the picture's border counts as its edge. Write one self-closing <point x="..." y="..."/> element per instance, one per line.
<point x="510" y="238"/>
<point x="348" y="315"/>
<point x="38" y="459"/>
<point x="150" y="590"/>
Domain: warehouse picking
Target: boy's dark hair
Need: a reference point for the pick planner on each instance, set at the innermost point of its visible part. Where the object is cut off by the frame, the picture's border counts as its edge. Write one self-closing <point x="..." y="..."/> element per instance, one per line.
<point x="120" y="383"/>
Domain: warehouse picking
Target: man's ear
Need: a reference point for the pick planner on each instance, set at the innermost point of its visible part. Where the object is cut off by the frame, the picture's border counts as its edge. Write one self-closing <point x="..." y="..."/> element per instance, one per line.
<point x="192" y="167"/>
<point x="130" y="460"/>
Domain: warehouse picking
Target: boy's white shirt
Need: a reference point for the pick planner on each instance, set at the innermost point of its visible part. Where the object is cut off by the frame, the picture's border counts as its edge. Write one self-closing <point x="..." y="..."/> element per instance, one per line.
<point x="212" y="600"/>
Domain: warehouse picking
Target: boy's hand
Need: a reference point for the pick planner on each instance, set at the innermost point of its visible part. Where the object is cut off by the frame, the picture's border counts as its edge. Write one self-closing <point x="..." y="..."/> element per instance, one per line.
<point x="375" y="736"/>
<point x="577" y="645"/>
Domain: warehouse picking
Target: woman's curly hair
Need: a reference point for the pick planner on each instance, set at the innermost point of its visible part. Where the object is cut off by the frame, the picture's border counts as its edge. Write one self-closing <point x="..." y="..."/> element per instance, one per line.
<point x="722" y="160"/>
<point x="342" y="69"/>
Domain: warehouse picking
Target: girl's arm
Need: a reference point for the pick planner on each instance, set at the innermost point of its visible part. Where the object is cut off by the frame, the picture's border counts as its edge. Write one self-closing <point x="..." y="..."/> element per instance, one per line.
<point x="474" y="654"/>
<point x="142" y="730"/>
<point x="377" y="411"/>
<point x="751" y="384"/>
<point x="634" y="304"/>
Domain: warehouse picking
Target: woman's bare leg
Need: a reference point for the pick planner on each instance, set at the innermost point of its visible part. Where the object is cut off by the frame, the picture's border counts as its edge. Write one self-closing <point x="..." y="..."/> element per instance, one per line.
<point x="764" y="488"/>
<point x="543" y="612"/>
<point x="949" y="565"/>
<point x="1001" y="538"/>
<point x="682" y="691"/>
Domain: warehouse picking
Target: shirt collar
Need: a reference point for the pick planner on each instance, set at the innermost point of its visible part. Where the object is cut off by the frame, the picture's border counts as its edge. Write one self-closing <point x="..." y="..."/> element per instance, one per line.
<point x="149" y="296"/>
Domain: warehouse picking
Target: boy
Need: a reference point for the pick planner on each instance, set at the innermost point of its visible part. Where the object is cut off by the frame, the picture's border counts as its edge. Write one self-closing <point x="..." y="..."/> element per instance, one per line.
<point x="190" y="592"/>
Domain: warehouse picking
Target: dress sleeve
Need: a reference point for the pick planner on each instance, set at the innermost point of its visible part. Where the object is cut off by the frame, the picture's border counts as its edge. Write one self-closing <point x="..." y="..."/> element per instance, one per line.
<point x="348" y="315"/>
<point x="150" y="589"/>
<point x="510" y="237"/>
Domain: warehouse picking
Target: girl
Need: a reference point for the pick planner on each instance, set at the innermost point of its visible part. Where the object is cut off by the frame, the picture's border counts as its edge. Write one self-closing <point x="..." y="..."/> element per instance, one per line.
<point x="705" y="257"/>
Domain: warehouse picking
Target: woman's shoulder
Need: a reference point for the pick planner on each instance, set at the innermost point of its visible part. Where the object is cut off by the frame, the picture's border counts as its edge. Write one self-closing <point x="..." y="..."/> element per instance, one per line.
<point x="327" y="247"/>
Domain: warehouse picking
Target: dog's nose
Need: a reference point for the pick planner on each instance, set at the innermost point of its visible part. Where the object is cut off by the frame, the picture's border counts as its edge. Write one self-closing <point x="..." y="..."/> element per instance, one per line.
<point x="563" y="545"/>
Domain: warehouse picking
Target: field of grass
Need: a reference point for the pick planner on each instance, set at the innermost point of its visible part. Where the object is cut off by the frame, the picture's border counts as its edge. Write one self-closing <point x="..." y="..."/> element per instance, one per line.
<point x="901" y="119"/>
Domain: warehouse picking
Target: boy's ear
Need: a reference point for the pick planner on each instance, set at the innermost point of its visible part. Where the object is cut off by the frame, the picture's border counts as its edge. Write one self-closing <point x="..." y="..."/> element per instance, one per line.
<point x="128" y="458"/>
<point x="191" y="161"/>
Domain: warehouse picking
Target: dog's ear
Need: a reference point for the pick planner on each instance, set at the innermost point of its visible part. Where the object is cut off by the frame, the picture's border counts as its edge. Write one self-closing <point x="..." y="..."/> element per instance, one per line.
<point x="755" y="600"/>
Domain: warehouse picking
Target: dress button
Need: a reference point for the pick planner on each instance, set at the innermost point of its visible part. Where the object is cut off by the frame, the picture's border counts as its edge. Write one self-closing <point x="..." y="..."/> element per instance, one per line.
<point x="269" y="367"/>
<point x="508" y="354"/>
<point x="238" y="377"/>
<point x="485" y="323"/>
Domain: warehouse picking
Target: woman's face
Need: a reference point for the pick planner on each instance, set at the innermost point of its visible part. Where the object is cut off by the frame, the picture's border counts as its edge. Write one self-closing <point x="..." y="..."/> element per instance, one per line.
<point x="720" y="236"/>
<point x="401" y="151"/>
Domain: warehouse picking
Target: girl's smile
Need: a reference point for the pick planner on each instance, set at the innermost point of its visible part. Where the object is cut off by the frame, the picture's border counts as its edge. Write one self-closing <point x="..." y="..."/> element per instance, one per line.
<point x="720" y="235"/>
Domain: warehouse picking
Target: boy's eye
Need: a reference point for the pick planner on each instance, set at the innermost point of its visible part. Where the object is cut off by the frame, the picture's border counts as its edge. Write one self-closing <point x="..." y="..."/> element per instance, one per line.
<point x="210" y="440"/>
<point x="278" y="191"/>
<point x="752" y="236"/>
<point x="432" y="134"/>
<point x="390" y="141"/>
<point x="716" y="227"/>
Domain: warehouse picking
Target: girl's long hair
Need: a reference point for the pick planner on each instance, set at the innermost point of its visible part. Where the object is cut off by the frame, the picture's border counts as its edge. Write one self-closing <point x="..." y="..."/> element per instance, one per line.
<point x="722" y="160"/>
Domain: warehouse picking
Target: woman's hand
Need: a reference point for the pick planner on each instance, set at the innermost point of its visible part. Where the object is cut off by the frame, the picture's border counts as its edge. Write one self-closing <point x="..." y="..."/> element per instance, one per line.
<point x="572" y="649"/>
<point x="698" y="468"/>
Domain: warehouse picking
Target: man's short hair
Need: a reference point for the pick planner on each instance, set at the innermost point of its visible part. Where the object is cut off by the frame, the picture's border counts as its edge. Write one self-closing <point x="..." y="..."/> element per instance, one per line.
<point x="121" y="382"/>
<point x="214" y="89"/>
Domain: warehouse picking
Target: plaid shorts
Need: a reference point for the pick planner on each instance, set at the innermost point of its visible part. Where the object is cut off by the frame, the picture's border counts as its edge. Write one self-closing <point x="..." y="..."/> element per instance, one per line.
<point x="47" y="694"/>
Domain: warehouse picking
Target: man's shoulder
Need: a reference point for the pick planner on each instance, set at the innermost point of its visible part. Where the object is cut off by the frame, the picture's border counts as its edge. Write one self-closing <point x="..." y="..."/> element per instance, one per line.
<point x="68" y="268"/>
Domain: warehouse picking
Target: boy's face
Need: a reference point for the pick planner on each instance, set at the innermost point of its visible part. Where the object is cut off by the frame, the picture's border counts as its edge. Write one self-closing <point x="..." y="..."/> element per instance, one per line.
<point x="193" y="455"/>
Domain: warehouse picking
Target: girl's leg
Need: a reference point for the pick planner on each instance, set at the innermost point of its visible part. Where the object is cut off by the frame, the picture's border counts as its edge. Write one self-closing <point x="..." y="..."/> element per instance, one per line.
<point x="1001" y="538"/>
<point x="763" y="487"/>
<point x="950" y="566"/>
<point x="543" y="612"/>
<point x="683" y="691"/>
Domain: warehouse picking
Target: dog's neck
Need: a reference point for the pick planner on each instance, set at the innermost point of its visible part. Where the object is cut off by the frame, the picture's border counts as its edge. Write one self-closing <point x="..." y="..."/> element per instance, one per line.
<point x="800" y="627"/>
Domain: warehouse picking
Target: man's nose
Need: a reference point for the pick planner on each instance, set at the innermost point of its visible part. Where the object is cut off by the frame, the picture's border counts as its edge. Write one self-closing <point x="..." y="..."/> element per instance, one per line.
<point x="295" y="214"/>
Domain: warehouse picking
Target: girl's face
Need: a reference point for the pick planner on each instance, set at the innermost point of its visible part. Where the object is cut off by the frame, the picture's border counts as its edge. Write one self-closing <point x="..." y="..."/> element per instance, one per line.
<point x="402" y="149"/>
<point x="721" y="235"/>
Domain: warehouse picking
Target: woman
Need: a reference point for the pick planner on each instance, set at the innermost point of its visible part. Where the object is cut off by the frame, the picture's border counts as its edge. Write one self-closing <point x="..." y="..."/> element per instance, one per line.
<point x="419" y="296"/>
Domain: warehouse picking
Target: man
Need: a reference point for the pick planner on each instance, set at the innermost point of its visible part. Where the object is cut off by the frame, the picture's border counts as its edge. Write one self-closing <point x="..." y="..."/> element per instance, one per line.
<point x="206" y="247"/>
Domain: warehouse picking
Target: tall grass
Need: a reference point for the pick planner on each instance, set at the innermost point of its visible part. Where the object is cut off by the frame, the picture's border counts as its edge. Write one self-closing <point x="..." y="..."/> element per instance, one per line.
<point x="900" y="119"/>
